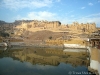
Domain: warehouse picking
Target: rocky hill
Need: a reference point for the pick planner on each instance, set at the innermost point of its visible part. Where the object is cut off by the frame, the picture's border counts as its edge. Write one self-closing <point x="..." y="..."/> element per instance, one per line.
<point x="45" y="34"/>
<point x="2" y="22"/>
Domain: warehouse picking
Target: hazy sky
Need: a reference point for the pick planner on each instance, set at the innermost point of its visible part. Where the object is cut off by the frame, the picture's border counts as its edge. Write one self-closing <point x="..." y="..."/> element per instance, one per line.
<point x="65" y="11"/>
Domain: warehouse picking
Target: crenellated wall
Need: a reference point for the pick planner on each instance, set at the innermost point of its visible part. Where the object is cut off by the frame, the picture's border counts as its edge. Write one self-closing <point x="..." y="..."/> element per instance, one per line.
<point x="56" y="26"/>
<point x="88" y="27"/>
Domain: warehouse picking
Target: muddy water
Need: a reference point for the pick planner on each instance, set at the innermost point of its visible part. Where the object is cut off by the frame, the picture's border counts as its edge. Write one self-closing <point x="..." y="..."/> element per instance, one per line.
<point x="43" y="61"/>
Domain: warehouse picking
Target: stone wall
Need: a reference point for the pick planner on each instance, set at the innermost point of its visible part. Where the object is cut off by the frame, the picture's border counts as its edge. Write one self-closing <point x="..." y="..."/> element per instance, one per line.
<point x="88" y="27"/>
<point x="35" y="24"/>
<point x="55" y="26"/>
<point x="61" y="42"/>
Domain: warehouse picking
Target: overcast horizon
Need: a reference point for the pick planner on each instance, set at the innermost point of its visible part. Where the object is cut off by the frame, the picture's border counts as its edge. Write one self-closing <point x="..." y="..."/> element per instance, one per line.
<point x="65" y="11"/>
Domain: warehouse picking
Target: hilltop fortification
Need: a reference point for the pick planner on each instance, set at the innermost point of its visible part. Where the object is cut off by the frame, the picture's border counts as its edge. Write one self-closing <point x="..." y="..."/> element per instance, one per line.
<point x="54" y="26"/>
<point x="48" y="32"/>
<point x="19" y="27"/>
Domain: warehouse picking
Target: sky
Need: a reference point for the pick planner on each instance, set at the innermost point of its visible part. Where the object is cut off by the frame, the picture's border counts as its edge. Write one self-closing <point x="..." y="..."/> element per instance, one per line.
<point x="65" y="11"/>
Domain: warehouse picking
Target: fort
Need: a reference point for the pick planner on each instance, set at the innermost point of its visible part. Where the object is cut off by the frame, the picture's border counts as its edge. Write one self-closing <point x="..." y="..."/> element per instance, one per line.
<point x="49" y="34"/>
<point x="54" y="26"/>
<point x="20" y="26"/>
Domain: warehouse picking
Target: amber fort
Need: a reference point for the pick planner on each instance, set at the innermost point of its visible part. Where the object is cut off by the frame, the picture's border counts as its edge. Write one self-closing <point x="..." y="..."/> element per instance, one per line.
<point x="54" y="26"/>
<point x="53" y="34"/>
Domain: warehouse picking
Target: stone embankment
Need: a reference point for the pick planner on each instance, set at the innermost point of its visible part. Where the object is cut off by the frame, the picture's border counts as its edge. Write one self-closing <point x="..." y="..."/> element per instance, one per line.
<point x="94" y="61"/>
<point x="44" y="45"/>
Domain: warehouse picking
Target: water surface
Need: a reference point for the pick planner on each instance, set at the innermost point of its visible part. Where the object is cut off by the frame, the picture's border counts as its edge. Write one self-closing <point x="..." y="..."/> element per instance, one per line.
<point x="42" y="61"/>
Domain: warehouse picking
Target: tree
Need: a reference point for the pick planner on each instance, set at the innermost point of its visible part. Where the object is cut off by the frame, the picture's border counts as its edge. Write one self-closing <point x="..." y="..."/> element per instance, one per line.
<point x="4" y="34"/>
<point x="83" y="29"/>
<point x="50" y="37"/>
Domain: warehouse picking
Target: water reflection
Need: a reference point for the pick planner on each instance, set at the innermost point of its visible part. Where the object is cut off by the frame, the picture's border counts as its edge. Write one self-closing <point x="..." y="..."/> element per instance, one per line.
<point x="42" y="61"/>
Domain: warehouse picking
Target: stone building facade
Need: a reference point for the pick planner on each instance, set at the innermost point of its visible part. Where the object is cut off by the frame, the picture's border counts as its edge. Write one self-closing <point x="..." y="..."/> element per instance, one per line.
<point x="40" y="24"/>
<point x="55" y="26"/>
<point x="88" y="27"/>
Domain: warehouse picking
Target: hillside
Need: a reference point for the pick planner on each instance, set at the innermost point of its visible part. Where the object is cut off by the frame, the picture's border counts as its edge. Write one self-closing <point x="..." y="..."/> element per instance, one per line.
<point x="2" y="22"/>
<point x="44" y="35"/>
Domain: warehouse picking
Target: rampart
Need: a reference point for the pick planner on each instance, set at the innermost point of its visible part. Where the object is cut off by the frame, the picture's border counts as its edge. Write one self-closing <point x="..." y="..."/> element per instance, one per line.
<point x="55" y="26"/>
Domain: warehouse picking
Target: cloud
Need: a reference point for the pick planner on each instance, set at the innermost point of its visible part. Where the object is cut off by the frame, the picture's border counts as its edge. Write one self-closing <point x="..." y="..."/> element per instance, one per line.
<point x="72" y="15"/>
<point x="41" y="15"/>
<point x="98" y="1"/>
<point x="89" y="18"/>
<point x="49" y="16"/>
<point x="69" y="12"/>
<point x="19" y="4"/>
<point x="57" y="0"/>
<point x="90" y="4"/>
<point x="93" y="15"/>
<point x="82" y="7"/>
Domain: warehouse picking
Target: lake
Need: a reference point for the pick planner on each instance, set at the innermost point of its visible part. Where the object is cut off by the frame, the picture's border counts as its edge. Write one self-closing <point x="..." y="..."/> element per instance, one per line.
<point x="43" y="61"/>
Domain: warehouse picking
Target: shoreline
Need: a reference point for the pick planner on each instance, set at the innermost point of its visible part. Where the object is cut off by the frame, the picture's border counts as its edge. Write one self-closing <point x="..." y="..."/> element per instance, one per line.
<point x="94" y="54"/>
